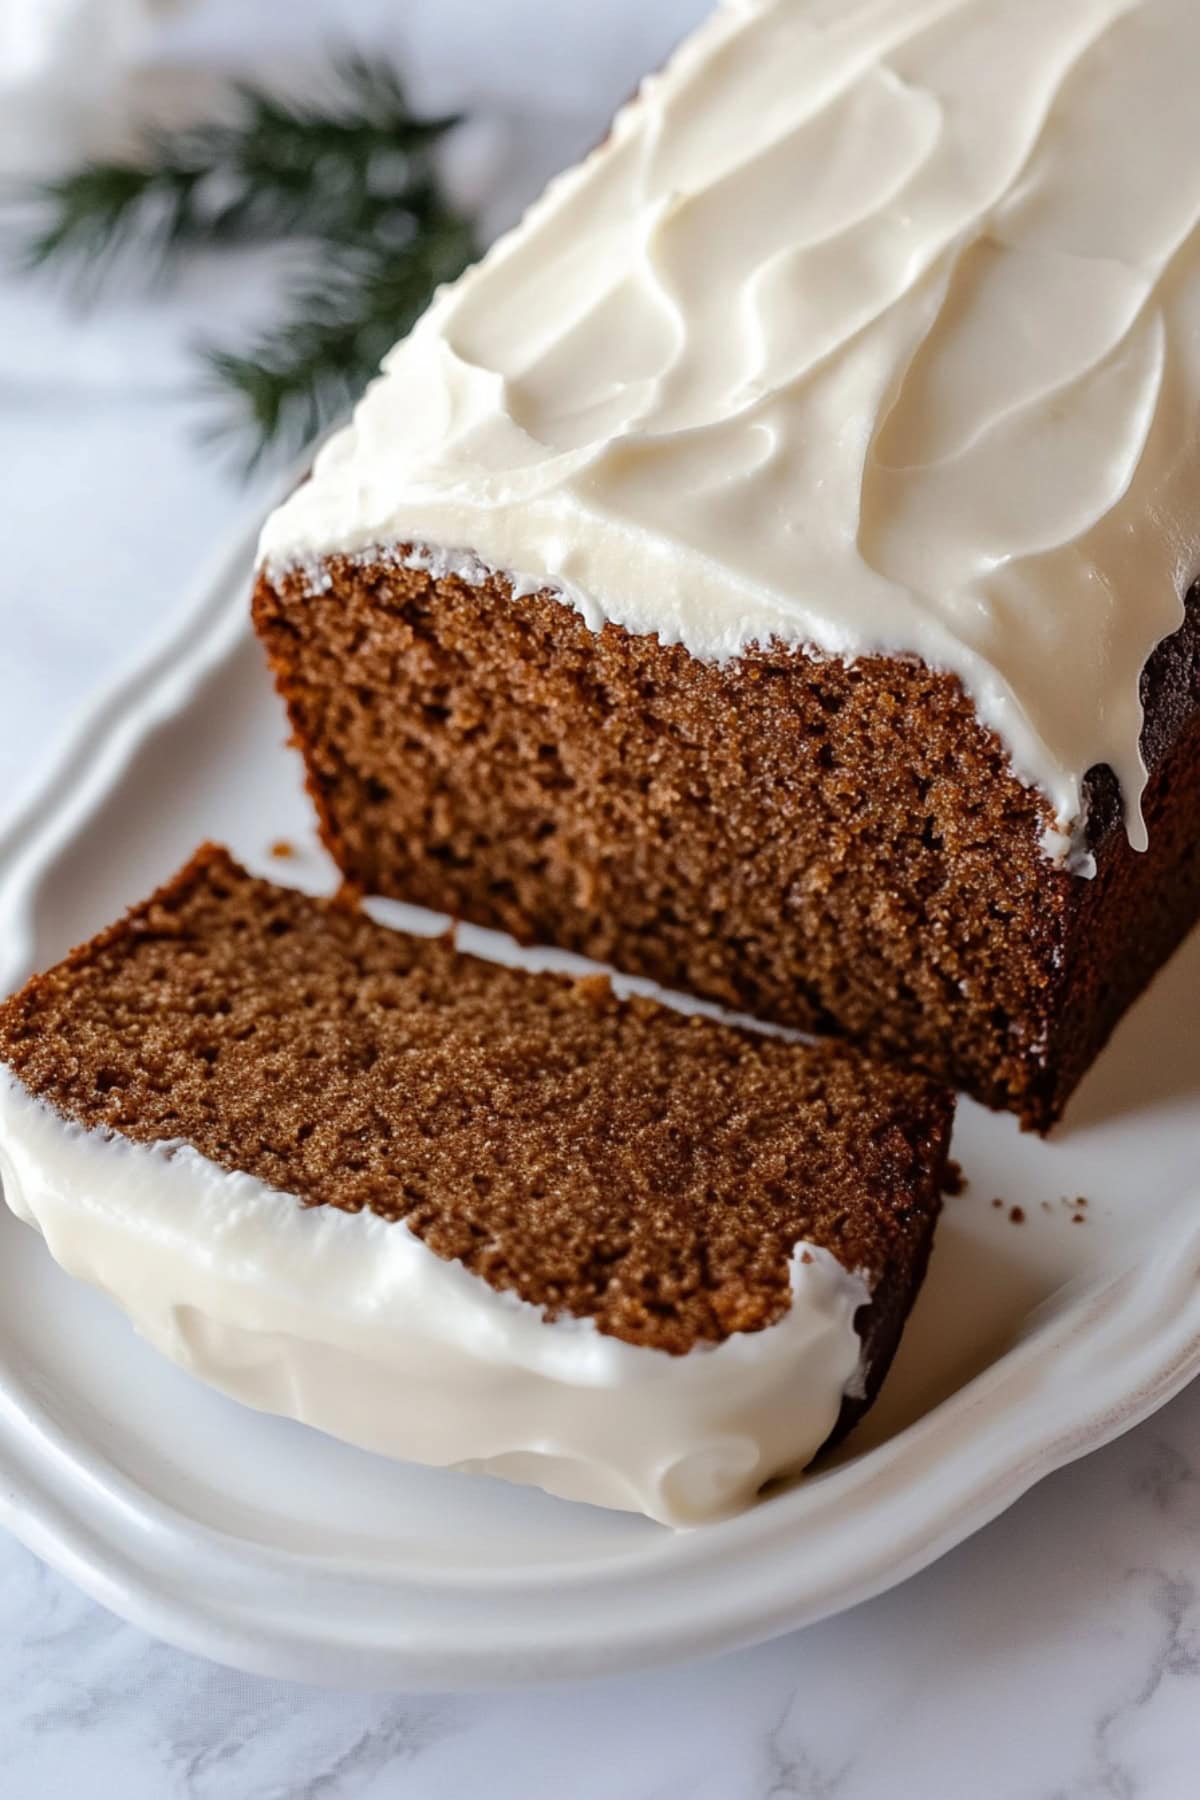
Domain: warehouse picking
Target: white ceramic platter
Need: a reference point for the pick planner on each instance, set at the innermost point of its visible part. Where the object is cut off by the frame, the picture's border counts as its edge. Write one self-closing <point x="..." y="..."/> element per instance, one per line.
<point x="263" y="1544"/>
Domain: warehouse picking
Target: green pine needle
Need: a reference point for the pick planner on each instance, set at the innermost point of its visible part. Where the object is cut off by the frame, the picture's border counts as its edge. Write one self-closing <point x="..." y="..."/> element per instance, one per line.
<point x="305" y="371"/>
<point x="352" y="172"/>
<point x="278" y="168"/>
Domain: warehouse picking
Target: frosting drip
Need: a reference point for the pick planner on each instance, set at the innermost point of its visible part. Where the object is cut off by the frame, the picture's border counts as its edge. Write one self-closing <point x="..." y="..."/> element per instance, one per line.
<point x="350" y="1323"/>
<point x="874" y="326"/>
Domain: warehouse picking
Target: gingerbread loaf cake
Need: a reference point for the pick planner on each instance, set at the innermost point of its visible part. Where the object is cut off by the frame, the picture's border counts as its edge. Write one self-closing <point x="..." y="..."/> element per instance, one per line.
<point x="766" y="570"/>
<point x="465" y="1214"/>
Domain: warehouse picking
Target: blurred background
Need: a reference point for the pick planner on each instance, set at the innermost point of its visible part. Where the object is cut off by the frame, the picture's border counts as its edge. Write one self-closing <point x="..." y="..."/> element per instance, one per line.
<point x="117" y="497"/>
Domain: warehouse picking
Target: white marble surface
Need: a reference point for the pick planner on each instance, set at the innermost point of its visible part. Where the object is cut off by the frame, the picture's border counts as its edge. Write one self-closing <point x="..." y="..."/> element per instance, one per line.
<point x="1057" y="1656"/>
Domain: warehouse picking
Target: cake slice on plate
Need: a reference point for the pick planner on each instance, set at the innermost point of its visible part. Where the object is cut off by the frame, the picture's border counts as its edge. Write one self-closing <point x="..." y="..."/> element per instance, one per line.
<point x="766" y="570"/>
<point x="461" y="1213"/>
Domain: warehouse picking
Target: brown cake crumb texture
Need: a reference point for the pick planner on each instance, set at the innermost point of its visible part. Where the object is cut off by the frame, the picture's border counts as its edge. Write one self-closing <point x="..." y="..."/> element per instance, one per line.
<point x="616" y="1160"/>
<point x="836" y="847"/>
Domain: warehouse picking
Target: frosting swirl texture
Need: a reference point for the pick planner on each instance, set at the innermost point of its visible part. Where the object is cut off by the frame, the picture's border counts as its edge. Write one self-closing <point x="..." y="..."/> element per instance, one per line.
<point x="351" y="1324"/>
<point x="874" y="326"/>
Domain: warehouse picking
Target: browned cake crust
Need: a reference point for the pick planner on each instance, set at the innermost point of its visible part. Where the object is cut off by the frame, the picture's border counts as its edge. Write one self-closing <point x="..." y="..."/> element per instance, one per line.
<point x="615" y="1160"/>
<point x="839" y="848"/>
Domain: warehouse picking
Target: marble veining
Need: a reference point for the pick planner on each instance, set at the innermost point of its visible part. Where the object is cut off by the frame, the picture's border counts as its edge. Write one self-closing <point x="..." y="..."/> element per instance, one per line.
<point x="1054" y="1657"/>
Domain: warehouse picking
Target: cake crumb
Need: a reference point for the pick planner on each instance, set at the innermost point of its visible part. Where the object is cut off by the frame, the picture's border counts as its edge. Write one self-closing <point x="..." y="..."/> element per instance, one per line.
<point x="596" y="992"/>
<point x="1078" y="1219"/>
<point x="806" y="1256"/>
<point x="997" y="1202"/>
<point x="490" y="1095"/>
<point x="954" y="1181"/>
<point x="1017" y="1214"/>
<point x="282" y="850"/>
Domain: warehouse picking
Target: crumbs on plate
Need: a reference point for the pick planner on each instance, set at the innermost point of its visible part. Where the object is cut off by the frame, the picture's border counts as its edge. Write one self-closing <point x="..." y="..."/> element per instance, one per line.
<point x="953" y="1181"/>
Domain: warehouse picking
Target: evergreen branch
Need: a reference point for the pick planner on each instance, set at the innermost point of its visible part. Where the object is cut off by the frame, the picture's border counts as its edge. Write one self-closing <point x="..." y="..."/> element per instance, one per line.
<point x="296" y="379"/>
<point x="329" y="167"/>
<point x="352" y="172"/>
<point x="96" y="212"/>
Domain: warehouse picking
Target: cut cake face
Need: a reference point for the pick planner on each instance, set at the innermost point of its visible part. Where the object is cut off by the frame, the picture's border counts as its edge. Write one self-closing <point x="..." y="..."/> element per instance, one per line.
<point x="722" y="579"/>
<point x="462" y="1213"/>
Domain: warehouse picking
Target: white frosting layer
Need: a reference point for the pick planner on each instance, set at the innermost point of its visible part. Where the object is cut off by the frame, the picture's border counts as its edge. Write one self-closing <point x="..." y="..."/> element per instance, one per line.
<point x="351" y="1324"/>
<point x="874" y="326"/>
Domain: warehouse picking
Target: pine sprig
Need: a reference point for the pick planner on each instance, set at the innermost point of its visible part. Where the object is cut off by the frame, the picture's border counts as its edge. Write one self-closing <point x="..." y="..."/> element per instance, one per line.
<point x="310" y="367"/>
<point x="353" y="172"/>
<point x="276" y="168"/>
<point x="94" y="213"/>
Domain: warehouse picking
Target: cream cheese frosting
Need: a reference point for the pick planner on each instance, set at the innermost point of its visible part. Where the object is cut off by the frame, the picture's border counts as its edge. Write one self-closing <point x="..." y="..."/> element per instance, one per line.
<point x="874" y="326"/>
<point x="350" y="1323"/>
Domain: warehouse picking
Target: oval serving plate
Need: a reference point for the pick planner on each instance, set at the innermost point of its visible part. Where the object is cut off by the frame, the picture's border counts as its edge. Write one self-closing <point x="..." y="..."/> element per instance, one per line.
<point x="1062" y="1306"/>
